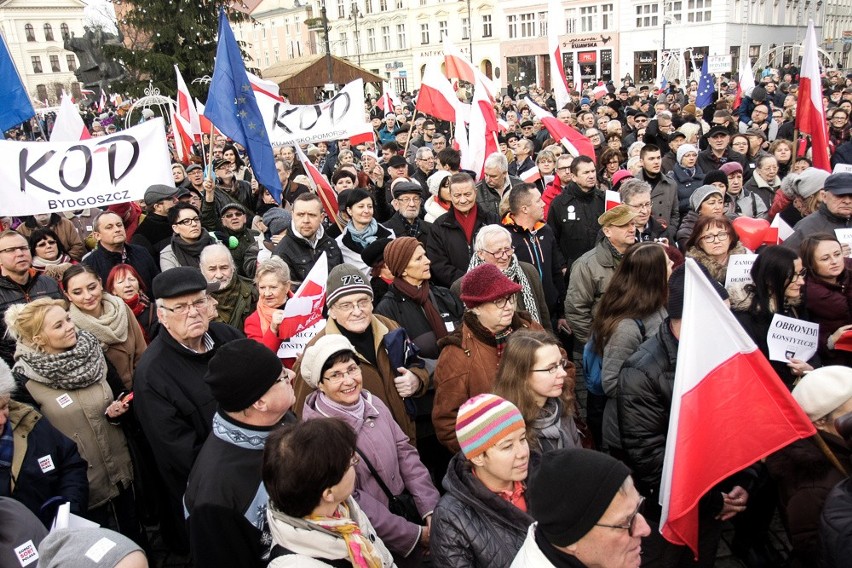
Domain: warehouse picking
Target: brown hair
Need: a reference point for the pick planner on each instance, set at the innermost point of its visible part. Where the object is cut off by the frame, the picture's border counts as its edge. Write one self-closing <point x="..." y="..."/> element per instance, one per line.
<point x="705" y="222"/>
<point x="807" y="250"/>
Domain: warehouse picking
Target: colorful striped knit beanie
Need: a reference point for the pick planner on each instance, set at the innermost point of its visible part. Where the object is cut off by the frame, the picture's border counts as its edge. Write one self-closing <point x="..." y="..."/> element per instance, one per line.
<point x="483" y="421"/>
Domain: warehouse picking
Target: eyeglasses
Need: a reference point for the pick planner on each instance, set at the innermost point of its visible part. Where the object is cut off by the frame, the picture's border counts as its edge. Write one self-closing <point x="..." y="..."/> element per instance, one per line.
<point x="630" y="526"/>
<point x="502" y="253"/>
<point x="284" y="378"/>
<point x="641" y="206"/>
<point x="188" y="221"/>
<point x="350" y="306"/>
<point x="711" y="238"/>
<point x="46" y="243"/>
<point x="562" y="364"/>
<point x="408" y="200"/>
<point x="501" y="302"/>
<point x="233" y="215"/>
<point x="13" y="250"/>
<point x="800" y="274"/>
<point x="183" y="309"/>
<point x="338" y="377"/>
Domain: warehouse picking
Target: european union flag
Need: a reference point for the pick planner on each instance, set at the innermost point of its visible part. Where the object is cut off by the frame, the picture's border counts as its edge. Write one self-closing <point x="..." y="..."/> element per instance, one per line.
<point x="232" y="108"/>
<point x="16" y="107"/>
<point x="706" y="87"/>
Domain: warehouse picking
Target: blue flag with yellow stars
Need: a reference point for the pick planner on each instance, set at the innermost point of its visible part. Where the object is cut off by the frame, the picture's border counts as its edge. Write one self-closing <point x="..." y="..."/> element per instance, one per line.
<point x="232" y="108"/>
<point x="706" y="87"/>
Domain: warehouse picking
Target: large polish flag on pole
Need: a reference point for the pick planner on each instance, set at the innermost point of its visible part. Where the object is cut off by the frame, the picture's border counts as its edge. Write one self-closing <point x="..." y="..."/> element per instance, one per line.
<point x="436" y="96"/>
<point x="186" y="110"/>
<point x="571" y="139"/>
<point x="810" y="114"/>
<point x="746" y="77"/>
<point x="729" y="408"/>
<point x="556" y="15"/>
<point x="325" y="192"/>
<point x="68" y="126"/>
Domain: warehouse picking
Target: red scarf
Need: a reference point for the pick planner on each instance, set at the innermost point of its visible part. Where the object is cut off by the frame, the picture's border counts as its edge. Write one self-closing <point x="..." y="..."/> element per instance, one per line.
<point x="467" y="222"/>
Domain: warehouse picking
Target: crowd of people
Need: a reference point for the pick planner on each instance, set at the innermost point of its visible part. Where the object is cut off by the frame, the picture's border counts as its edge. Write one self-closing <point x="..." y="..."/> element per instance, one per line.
<point x="492" y="383"/>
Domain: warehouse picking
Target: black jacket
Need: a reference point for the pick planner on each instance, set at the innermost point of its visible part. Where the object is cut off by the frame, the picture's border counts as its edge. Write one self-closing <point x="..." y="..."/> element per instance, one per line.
<point x="34" y="487"/>
<point x="102" y="261"/>
<point x="38" y="286"/>
<point x="174" y="404"/>
<point x="573" y="216"/>
<point x="541" y="251"/>
<point x="402" y="228"/>
<point x="686" y="185"/>
<point x="448" y="248"/>
<point x="707" y="161"/>
<point x="153" y="234"/>
<point x="836" y="528"/>
<point x="411" y="316"/>
<point x="300" y="256"/>
<point x="473" y="526"/>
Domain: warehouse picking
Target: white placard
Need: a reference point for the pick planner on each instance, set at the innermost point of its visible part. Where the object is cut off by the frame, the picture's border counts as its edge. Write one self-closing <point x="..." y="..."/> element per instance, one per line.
<point x="792" y="338"/>
<point x="296" y="344"/>
<point x="719" y="64"/>
<point x="49" y="177"/>
<point x="342" y="116"/>
<point x="844" y="236"/>
<point x="842" y="168"/>
<point x="739" y="269"/>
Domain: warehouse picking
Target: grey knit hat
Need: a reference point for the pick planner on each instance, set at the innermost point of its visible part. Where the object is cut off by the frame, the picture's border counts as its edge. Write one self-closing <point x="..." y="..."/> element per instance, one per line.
<point x="683" y="149"/>
<point x="84" y="548"/>
<point x="808" y="182"/>
<point x="345" y="279"/>
<point x="317" y="354"/>
<point x="701" y="194"/>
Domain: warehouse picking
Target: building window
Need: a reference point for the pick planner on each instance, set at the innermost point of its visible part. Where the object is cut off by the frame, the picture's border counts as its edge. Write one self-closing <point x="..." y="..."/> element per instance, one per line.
<point x="63" y="29"/>
<point x="424" y="34"/>
<point x="465" y="28"/>
<point x="36" y="64"/>
<point x="400" y="4"/>
<point x="400" y="36"/>
<point x="528" y="25"/>
<point x="571" y="21"/>
<point x="344" y="44"/>
<point x="512" y="24"/>
<point x="607" y="17"/>
<point x="54" y="64"/>
<point x="368" y="6"/>
<point x="383" y="5"/>
<point x="371" y="40"/>
<point x="588" y="18"/>
<point x="30" y="32"/>
<point x="386" y="38"/>
<point x="72" y="62"/>
<point x="486" y="25"/>
<point x="647" y="15"/>
<point x="442" y="30"/>
<point x="341" y="9"/>
<point x="698" y="11"/>
<point x="277" y="54"/>
<point x="48" y="32"/>
<point x="542" y="24"/>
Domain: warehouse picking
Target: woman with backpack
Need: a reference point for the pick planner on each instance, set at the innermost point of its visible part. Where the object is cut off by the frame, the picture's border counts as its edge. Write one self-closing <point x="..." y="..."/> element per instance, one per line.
<point x="631" y="309"/>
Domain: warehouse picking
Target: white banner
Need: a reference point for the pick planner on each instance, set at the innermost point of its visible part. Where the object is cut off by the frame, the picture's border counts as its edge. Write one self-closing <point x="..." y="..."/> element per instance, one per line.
<point x="339" y="117"/>
<point x="49" y="177"/>
<point x="791" y="338"/>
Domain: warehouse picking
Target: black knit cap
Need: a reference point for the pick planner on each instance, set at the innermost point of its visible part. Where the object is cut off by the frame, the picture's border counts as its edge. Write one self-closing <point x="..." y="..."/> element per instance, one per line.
<point x="716" y="175"/>
<point x="241" y="372"/>
<point x="571" y="491"/>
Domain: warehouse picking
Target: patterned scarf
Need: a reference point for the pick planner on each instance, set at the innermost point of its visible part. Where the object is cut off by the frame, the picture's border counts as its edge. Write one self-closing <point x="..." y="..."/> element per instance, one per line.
<point x="81" y="366"/>
<point x="362" y="553"/>
<point x="366" y="235"/>
<point x="516" y="275"/>
<point x="111" y="327"/>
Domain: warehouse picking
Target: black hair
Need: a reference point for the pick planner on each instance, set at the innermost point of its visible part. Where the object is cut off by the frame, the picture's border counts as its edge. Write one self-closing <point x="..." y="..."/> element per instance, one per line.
<point x="339" y="357"/>
<point x="174" y="212"/>
<point x="41" y="234"/>
<point x="771" y="273"/>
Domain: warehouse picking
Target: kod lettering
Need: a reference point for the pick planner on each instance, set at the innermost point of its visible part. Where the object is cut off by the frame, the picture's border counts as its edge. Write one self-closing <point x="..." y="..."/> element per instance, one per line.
<point x="307" y="117"/>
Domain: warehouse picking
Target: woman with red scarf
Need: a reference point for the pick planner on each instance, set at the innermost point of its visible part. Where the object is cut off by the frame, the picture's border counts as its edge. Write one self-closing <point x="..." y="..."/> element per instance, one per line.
<point x="273" y="284"/>
<point x="123" y="281"/>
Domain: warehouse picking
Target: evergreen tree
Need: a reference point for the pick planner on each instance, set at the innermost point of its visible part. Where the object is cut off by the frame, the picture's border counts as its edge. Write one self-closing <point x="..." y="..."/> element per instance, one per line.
<point x="159" y="34"/>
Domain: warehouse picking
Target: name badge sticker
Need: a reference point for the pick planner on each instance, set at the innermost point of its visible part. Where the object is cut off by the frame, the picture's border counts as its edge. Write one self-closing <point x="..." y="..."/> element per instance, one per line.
<point x="46" y="464"/>
<point x="64" y="400"/>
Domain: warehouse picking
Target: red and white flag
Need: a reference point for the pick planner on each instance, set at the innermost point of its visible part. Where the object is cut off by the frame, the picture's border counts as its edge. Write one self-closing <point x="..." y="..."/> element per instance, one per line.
<point x="613" y="199"/>
<point x="729" y="408"/>
<point x="556" y="15"/>
<point x="482" y="131"/>
<point x="102" y="102"/>
<point x="457" y="64"/>
<point x="530" y="175"/>
<point x="182" y="140"/>
<point x="304" y="309"/>
<point x="746" y="77"/>
<point x="573" y="141"/>
<point x="186" y="111"/>
<point x="810" y="113"/>
<point x="436" y="96"/>
<point x="389" y="98"/>
<point x="599" y="91"/>
<point x="68" y="126"/>
<point x="264" y="87"/>
<point x="325" y="192"/>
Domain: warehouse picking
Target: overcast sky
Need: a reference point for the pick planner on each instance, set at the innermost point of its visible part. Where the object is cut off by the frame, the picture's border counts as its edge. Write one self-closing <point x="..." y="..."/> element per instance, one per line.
<point x="102" y="12"/>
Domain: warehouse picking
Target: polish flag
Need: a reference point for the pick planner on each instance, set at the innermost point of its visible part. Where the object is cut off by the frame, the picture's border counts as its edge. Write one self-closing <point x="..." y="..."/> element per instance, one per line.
<point x="459" y="66"/>
<point x="264" y="87"/>
<point x="729" y="408"/>
<point x="206" y="125"/>
<point x="599" y="91"/>
<point x="530" y="175"/>
<point x="325" y="192"/>
<point x="573" y="141"/>
<point x="436" y="97"/>
<point x="183" y="142"/>
<point x="613" y="199"/>
<point x="389" y="98"/>
<point x="304" y="309"/>
<point x="102" y="102"/>
<point x="366" y="134"/>
<point x="186" y="110"/>
<point x="810" y="114"/>
<point x="746" y="75"/>
<point x="482" y="132"/>
<point x="68" y="126"/>
<point x="556" y="15"/>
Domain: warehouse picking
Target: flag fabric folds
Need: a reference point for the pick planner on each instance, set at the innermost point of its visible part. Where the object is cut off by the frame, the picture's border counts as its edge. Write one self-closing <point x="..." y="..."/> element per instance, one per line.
<point x="389" y="98"/>
<point x="810" y="112"/>
<point x="557" y="69"/>
<point x="325" y="192"/>
<point x="231" y="106"/>
<point x="186" y="110"/>
<point x="570" y="138"/>
<point x="706" y="87"/>
<point x="68" y="126"/>
<point x="436" y="96"/>
<point x="729" y="408"/>
<point x="304" y="309"/>
<point x="16" y="107"/>
<point x="746" y="77"/>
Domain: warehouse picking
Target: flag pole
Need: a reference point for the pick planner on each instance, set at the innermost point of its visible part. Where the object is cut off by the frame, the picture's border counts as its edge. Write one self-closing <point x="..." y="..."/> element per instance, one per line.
<point x="410" y="130"/>
<point x="210" y="153"/>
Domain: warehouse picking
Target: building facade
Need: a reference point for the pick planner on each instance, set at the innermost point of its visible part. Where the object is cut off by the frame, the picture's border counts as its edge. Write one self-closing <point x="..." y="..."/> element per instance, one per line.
<point x="35" y="33"/>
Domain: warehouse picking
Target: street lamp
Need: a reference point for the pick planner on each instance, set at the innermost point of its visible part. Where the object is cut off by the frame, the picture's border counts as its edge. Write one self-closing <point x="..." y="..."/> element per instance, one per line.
<point x="354" y="15"/>
<point x="328" y="63"/>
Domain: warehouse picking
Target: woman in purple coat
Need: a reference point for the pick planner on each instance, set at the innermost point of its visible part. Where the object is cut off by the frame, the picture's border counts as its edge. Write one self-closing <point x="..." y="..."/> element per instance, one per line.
<point x="331" y="367"/>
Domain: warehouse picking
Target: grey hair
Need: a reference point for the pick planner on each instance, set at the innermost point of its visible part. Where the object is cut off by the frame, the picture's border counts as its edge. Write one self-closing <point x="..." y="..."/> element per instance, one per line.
<point x="689" y="129"/>
<point x="635" y="148"/>
<point x="422" y="152"/>
<point x="274" y="265"/>
<point x="497" y="160"/>
<point x="488" y="232"/>
<point x="664" y="114"/>
<point x="612" y="126"/>
<point x="7" y="381"/>
<point x="761" y="160"/>
<point x="209" y="250"/>
<point x="631" y="187"/>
